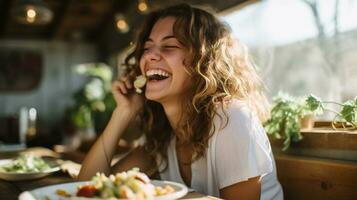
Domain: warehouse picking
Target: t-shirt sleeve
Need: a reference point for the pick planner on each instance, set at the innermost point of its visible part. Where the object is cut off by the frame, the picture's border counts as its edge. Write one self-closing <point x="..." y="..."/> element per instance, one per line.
<point x="242" y="149"/>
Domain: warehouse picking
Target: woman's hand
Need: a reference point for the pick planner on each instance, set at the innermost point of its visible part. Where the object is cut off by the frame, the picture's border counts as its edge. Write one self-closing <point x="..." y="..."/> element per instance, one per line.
<point x="128" y="105"/>
<point x="128" y="101"/>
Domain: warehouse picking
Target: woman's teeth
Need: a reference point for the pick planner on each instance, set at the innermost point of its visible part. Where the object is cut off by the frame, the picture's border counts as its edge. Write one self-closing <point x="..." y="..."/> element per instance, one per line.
<point x="156" y="74"/>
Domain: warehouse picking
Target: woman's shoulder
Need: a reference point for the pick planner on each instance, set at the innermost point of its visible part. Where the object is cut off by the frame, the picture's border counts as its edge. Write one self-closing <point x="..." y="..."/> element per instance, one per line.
<point x="236" y="111"/>
<point x="237" y="120"/>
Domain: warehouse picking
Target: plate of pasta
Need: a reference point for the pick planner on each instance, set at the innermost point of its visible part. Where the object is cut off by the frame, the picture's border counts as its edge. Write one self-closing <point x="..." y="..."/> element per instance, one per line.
<point x="131" y="184"/>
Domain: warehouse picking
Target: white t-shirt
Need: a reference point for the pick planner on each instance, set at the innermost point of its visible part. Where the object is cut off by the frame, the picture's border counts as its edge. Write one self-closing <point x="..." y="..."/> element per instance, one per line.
<point x="239" y="151"/>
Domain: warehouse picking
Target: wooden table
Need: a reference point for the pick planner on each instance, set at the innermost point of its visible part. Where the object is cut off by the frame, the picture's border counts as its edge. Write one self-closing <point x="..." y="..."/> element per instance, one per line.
<point x="11" y="190"/>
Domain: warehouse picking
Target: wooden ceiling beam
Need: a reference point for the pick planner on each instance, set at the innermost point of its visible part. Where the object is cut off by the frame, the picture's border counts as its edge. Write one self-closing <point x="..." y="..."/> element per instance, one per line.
<point x="4" y="16"/>
<point x="59" y="15"/>
<point x="83" y="18"/>
<point x="90" y="20"/>
<point x="108" y="37"/>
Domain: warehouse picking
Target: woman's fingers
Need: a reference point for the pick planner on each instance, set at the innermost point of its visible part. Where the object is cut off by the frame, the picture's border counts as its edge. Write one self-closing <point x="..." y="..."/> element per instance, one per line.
<point x="123" y="88"/>
<point x="127" y="82"/>
<point x="122" y="96"/>
<point x="120" y="85"/>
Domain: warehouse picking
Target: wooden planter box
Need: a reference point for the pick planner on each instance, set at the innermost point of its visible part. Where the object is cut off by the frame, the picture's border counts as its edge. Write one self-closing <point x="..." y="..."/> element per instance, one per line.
<point x="324" y="142"/>
<point x="323" y="165"/>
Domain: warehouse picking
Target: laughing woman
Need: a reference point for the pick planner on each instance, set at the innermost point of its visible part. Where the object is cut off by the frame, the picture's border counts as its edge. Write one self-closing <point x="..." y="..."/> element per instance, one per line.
<point x="201" y="110"/>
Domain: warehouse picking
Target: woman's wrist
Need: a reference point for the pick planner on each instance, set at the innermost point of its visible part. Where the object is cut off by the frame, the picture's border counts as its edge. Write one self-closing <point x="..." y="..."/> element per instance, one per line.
<point x="123" y="113"/>
<point x="118" y="123"/>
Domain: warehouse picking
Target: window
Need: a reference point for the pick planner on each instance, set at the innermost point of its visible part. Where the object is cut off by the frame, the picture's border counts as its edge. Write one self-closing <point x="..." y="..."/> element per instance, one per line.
<point x="302" y="46"/>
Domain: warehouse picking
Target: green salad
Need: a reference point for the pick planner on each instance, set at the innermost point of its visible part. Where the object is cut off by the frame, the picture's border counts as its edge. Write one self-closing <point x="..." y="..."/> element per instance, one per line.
<point x="25" y="164"/>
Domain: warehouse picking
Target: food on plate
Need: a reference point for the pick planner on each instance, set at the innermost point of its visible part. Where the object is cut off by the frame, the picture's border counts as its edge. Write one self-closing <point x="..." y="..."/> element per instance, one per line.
<point x="164" y="190"/>
<point x="139" y="83"/>
<point x="63" y="193"/>
<point x="131" y="184"/>
<point x="24" y="164"/>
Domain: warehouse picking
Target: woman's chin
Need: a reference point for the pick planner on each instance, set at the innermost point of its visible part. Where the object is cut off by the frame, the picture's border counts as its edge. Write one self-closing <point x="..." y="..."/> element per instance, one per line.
<point x="157" y="90"/>
<point x="154" y="96"/>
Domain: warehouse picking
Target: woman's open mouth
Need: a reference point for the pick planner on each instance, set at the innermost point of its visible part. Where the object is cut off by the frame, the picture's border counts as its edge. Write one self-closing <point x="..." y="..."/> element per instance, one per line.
<point x="157" y="75"/>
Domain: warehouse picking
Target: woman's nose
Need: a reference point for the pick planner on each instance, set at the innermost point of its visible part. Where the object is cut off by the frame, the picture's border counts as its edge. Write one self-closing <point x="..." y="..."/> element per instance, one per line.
<point x="152" y="54"/>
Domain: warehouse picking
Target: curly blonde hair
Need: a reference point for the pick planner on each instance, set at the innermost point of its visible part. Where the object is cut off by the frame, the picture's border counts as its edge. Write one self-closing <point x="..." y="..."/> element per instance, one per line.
<point x="221" y="71"/>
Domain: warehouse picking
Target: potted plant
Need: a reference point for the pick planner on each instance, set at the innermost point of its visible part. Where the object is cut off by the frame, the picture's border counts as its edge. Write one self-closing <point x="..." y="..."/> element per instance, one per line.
<point x="93" y="106"/>
<point x="287" y="115"/>
<point x="93" y="103"/>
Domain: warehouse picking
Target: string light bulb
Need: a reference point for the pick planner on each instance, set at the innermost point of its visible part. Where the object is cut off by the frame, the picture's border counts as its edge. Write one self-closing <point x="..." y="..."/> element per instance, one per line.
<point x="31" y="12"/>
<point x="143" y="6"/>
<point x="30" y="15"/>
<point x="121" y="23"/>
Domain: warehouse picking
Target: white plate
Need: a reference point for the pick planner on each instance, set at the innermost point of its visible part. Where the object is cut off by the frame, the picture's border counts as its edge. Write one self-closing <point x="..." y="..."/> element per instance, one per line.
<point x="16" y="176"/>
<point x="49" y="192"/>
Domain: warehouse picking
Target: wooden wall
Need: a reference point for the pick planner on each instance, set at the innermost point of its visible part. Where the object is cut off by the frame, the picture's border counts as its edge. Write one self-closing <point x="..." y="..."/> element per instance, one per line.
<point x="314" y="178"/>
<point x="321" y="166"/>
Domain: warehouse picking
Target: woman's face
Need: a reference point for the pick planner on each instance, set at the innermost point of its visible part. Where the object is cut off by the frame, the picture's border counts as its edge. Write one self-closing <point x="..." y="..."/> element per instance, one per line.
<point x="163" y="63"/>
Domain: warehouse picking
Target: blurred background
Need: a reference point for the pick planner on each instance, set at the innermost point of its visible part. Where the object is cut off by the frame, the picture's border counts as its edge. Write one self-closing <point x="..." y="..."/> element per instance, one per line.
<point x="57" y="61"/>
<point x="59" y="57"/>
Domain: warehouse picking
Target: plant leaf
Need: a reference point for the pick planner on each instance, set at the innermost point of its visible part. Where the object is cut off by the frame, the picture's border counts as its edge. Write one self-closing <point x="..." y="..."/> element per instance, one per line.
<point x="349" y="112"/>
<point x="314" y="104"/>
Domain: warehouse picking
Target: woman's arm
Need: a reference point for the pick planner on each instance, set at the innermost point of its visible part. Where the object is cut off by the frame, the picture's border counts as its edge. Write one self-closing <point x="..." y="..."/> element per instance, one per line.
<point x="100" y="155"/>
<point x="136" y="158"/>
<point x="249" y="190"/>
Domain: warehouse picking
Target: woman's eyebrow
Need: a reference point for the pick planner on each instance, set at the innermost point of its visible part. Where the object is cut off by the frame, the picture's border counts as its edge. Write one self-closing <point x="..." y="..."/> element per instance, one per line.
<point x="168" y="37"/>
<point x="164" y="38"/>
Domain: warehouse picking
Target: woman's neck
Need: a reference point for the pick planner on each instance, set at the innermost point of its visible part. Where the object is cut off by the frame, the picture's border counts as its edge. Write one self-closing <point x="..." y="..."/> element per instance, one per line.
<point x="173" y="111"/>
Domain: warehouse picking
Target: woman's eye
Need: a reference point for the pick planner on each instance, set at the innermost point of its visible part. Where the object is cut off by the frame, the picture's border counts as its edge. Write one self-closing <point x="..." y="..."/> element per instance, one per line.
<point x="170" y="46"/>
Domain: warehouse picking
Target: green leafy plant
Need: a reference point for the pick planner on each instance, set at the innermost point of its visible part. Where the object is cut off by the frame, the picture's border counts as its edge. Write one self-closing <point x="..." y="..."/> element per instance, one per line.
<point x="347" y="114"/>
<point x="94" y="102"/>
<point x="287" y="113"/>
